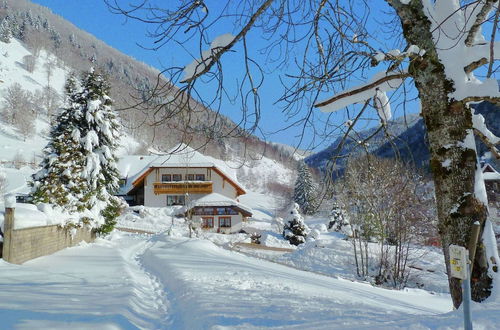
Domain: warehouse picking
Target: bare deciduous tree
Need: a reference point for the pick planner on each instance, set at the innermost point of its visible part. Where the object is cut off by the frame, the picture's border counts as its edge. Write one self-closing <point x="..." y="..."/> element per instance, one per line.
<point x="18" y="109"/>
<point x="327" y="45"/>
<point x="386" y="203"/>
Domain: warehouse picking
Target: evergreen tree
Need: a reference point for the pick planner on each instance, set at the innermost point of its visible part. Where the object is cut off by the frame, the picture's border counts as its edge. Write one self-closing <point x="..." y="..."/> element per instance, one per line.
<point x="339" y="221"/>
<point x="304" y="190"/>
<point x="5" y="31"/>
<point x="100" y="134"/>
<point x="79" y="168"/>
<point x="295" y="230"/>
<point x="60" y="181"/>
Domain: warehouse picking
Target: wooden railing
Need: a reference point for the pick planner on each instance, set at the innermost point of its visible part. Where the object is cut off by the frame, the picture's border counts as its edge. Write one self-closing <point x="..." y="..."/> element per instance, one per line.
<point x="182" y="187"/>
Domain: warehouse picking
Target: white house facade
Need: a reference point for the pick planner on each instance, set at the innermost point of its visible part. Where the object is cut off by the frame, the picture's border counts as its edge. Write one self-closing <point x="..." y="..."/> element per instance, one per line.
<point x="183" y="177"/>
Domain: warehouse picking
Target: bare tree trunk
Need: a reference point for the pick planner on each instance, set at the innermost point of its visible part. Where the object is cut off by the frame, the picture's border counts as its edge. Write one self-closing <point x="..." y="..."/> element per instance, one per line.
<point x="355" y="253"/>
<point x="449" y="125"/>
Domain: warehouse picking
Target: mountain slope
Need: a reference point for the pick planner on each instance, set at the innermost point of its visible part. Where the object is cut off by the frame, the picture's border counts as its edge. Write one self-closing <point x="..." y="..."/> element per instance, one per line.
<point x="49" y="41"/>
<point x="407" y="143"/>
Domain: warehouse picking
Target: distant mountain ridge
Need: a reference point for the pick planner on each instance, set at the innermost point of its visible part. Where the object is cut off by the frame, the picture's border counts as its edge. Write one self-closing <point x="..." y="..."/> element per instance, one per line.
<point x="408" y="142"/>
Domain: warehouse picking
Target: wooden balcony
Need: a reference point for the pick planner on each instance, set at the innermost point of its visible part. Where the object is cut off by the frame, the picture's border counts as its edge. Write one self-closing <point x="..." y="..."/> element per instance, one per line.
<point x="182" y="187"/>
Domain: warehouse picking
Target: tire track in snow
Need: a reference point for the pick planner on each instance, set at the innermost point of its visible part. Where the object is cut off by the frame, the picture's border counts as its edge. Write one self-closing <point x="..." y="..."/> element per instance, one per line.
<point x="149" y="293"/>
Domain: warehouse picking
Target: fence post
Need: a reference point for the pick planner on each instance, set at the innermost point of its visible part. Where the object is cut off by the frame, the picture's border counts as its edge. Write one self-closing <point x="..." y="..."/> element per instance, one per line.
<point x="8" y="226"/>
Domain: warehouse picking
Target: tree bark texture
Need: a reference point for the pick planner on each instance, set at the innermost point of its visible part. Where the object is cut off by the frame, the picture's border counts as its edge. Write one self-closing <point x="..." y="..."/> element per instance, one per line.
<point x="449" y="124"/>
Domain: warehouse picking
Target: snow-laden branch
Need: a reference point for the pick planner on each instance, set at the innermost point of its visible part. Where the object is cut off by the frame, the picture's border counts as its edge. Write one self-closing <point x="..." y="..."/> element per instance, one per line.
<point x="199" y="65"/>
<point x="383" y="106"/>
<point x="478" y="16"/>
<point x="396" y="55"/>
<point x="461" y="45"/>
<point x="485" y="134"/>
<point x="206" y="64"/>
<point x="382" y="81"/>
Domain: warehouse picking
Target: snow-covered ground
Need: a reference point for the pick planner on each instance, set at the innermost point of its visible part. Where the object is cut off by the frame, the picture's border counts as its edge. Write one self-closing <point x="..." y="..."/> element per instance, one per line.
<point x="129" y="281"/>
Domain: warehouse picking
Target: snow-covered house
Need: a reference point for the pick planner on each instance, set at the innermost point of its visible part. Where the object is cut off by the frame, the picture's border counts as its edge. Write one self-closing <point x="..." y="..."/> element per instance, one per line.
<point x="184" y="176"/>
<point x="218" y="213"/>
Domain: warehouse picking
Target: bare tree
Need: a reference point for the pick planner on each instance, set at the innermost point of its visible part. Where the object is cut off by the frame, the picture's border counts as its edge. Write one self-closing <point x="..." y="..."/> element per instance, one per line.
<point x="327" y="45"/>
<point x="19" y="110"/>
<point x="48" y="101"/>
<point x="387" y="204"/>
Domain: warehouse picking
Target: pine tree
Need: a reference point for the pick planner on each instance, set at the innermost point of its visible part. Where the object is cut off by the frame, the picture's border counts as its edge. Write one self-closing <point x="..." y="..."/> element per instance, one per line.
<point x="5" y="31"/>
<point x="100" y="134"/>
<point x="295" y="230"/>
<point x="79" y="168"/>
<point x="339" y="221"/>
<point x="59" y="181"/>
<point x="304" y="190"/>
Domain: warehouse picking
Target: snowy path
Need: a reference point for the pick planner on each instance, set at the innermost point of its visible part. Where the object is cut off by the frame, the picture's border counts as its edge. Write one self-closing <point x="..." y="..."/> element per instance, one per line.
<point x="209" y="287"/>
<point x="136" y="281"/>
<point x="97" y="286"/>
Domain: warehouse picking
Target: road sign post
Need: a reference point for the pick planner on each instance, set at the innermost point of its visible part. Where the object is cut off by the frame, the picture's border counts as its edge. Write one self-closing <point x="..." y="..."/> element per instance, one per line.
<point x="460" y="268"/>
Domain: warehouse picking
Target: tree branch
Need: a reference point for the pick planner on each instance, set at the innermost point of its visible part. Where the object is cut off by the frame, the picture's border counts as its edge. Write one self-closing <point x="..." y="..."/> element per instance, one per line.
<point x="492" y="43"/>
<point x="476" y="64"/>
<point x="214" y="58"/>
<point x="491" y="146"/>
<point x="480" y="18"/>
<point x="362" y="89"/>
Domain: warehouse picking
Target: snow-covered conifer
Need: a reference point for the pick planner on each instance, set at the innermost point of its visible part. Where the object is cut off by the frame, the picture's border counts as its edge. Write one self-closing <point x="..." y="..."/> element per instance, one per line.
<point x="295" y="230"/>
<point x="339" y="221"/>
<point x="99" y="136"/>
<point x="79" y="168"/>
<point x="304" y="190"/>
<point x="5" y="32"/>
<point x="59" y="181"/>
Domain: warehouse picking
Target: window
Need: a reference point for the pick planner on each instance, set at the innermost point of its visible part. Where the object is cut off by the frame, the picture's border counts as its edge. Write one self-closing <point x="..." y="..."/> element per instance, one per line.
<point x="176" y="177"/>
<point x="166" y="178"/>
<point x="189" y="177"/>
<point x="200" y="177"/>
<point x="224" y="222"/>
<point x="225" y="211"/>
<point x="208" y="210"/>
<point x="207" y="222"/>
<point x="175" y="200"/>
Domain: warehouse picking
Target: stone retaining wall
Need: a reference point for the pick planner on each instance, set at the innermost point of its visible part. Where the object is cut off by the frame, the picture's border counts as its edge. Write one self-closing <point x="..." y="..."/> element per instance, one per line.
<point x="21" y="245"/>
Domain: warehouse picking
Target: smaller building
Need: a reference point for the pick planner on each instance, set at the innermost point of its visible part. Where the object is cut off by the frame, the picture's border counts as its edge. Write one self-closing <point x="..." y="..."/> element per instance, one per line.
<point x="218" y="213"/>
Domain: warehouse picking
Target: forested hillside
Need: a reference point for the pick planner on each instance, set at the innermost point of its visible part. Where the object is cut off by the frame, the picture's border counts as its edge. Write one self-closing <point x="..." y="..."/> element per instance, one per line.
<point x="56" y="45"/>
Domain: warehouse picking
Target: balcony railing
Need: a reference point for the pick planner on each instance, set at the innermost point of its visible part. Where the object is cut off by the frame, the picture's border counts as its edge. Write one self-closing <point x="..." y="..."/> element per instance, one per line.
<point x="182" y="187"/>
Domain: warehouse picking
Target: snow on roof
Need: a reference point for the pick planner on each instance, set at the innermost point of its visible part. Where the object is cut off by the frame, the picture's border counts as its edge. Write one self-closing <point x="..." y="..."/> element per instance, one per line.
<point x="182" y="156"/>
<point x="489" y="173"/>
<point x="215" y="199"/>
<point x="491" y="176"/>
<point x="132" y="167"/>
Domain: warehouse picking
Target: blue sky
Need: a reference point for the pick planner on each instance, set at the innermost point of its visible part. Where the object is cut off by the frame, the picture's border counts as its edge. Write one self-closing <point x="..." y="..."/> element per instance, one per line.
<point x="94" y="17"/>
